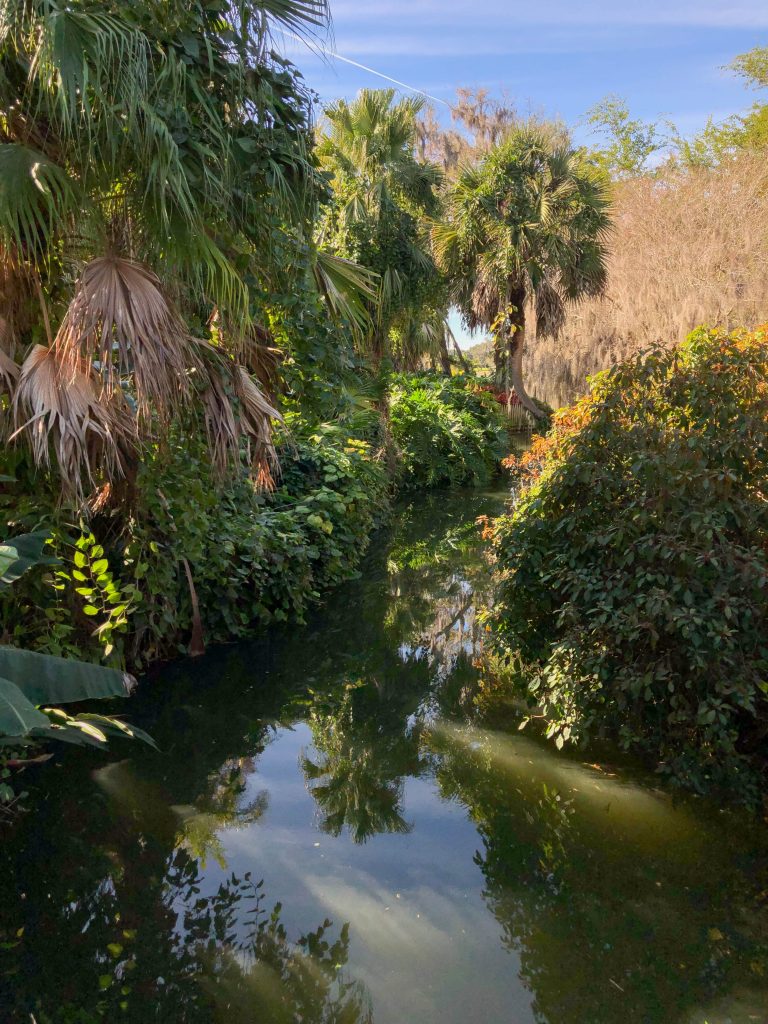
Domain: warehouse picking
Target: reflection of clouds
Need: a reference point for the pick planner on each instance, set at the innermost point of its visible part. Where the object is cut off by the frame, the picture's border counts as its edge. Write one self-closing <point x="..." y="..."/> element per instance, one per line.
<point x="432" y="955"/>
<point x="425" y="946"/>
<point x="607" y="801"/>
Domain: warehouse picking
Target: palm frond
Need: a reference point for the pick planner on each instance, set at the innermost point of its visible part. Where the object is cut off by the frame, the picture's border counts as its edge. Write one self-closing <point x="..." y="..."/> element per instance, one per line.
<point x="346" y="287"/>
<point x="67" y="413"/>
<point x="304" y="17"/>
<point x="256" y="418"/>
<point x="238" y="418"/>
<point x="36" y="197"/>
<point x="120" y="319"/>
<point x="86" y="62"/>
<point x="9" y="374"/>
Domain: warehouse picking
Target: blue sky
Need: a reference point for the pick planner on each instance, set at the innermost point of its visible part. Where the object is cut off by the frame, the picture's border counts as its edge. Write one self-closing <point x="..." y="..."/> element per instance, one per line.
<point x="552" y="56"/>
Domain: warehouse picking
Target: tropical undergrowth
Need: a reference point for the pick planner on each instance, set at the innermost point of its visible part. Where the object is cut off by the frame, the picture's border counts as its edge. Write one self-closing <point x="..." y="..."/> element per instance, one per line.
<point x="449" y="430"/>
<point x="244" y="557"/>
<point x="632" y="571"/>
<point x="204" y="560"/>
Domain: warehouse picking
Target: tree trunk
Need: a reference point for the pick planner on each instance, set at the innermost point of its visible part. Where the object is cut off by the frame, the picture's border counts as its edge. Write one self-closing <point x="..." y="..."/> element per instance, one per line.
<point x="445" y="359"/>
<point x="516" y="348"/>
<point x="500" y="350"/>
<point x="461" y="358"/>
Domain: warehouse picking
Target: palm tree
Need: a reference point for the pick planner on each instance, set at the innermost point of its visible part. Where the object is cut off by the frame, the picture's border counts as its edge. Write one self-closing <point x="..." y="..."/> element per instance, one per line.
<point x="146" y="154"/>
<point x="382" y="193"/>
<point x="524" y="228"/>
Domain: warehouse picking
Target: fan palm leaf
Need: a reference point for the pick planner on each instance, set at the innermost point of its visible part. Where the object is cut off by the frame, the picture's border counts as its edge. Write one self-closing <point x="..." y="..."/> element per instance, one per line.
<point x="36" y="198"/>
<point x="65" y="411"/>
<point x="348" y="288"/>
<point x="120" y="319"/>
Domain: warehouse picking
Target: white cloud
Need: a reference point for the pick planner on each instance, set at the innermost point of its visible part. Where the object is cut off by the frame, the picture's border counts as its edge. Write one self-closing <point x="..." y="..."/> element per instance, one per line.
<point x="501" y="14"/>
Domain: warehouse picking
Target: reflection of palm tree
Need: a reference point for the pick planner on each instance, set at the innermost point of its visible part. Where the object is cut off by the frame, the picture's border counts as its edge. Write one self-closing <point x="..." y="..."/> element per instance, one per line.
<point x="220" y="808"/>
<point x="138" y="940"/>
<point x="432" y="606"/>
<point x="357" y="779"/>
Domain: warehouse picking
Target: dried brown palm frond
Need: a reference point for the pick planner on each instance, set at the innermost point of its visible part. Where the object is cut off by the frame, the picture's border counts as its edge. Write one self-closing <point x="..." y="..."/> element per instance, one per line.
<point x="9" y="375"/>
<point x="256" y="417"/>
<point x="120" y="318"/>
<point x="220" y="422"/>
<point x="9" y="371"/>
<point x="263" y="359"/>
<point x="16" y="298"/>
<point x="91" y="434"/>
<point x="237" y="417"/>
<point x="254" y="348"/>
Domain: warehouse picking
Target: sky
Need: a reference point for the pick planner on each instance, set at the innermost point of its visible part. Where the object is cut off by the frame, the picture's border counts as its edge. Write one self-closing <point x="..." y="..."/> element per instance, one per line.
<point x="553" y="57"/>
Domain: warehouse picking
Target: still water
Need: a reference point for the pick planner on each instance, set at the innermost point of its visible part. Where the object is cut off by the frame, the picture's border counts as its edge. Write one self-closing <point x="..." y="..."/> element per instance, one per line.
<point x="330" y="835"/>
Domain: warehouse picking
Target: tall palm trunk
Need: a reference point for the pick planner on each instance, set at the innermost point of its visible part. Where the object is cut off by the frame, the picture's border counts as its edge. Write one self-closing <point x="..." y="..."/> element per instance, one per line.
<point x="500" y="350"/>
<point x="515" y="350"/>
<point x="445" y="359"/>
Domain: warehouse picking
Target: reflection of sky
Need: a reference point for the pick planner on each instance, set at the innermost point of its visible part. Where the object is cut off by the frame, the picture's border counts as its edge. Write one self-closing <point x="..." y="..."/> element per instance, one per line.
<point x="429" y="954"/>
<point x="423" y="939"/>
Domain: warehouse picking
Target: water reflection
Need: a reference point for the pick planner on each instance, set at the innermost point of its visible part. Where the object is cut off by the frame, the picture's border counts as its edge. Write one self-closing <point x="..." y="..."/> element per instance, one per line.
<point x="620" y="905"/>
<point x="162" y="950"/>
<point x="358" y="763"/>
<point x="416" y="866"/>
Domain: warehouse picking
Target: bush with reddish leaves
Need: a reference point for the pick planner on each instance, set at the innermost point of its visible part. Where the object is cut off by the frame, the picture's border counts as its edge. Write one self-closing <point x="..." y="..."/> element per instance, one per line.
<point x="632" y="572"/>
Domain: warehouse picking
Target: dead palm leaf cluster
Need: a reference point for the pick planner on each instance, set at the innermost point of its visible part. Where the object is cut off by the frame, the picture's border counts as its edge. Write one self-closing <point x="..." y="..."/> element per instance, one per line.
<point x="64" y="410"/>
<point x="238" y="419"/>
<point x="122" y="360"/>
<point x="120" y="320"/>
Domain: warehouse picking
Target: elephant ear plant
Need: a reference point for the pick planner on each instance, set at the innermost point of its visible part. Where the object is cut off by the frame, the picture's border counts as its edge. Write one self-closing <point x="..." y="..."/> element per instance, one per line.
<point x="31" y="683"/>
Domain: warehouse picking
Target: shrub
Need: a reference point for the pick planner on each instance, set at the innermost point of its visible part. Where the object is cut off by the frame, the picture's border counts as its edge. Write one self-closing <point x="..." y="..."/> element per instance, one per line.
<point x="448" y="430"/>
<point x="631" y="574"/>
<point x="252" y="558"/>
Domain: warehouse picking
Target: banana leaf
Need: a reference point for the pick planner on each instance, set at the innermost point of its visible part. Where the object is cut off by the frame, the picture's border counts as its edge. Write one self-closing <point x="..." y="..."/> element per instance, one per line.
<point x="18" y="716"/>
<point x="45" y="679"/>
<point x="18" y="554"/>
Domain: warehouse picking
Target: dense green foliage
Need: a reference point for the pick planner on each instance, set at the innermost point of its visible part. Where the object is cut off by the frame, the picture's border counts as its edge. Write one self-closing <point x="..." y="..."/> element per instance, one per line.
<point x="632" y="586"/>
<point x="30" y="681"/>
<point x="381" y="194"/>
<point x="448" y="430"/>
<point x="253" y="557"/>
<point x="157" y="194"/>
<point x="121" y="590"/>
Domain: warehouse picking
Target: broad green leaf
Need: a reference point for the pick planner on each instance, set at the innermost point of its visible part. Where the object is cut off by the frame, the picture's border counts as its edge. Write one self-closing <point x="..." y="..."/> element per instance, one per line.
<point x="18" y="554"/>
<point x="45" y="679"/>
<point x="17" y="715"/>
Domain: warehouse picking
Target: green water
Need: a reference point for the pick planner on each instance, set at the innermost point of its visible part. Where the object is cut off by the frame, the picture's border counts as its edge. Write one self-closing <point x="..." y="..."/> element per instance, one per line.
<point x="329" y="835"/>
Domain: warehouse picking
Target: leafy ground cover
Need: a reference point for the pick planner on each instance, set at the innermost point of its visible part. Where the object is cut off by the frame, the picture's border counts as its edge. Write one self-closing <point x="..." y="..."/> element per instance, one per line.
<point x="449" y="430"/>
